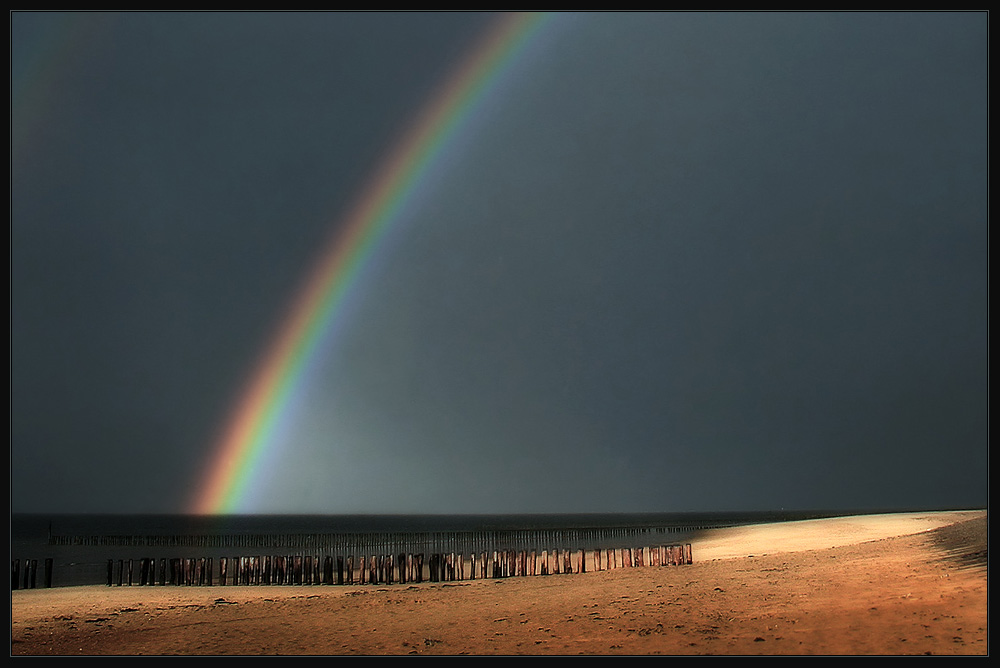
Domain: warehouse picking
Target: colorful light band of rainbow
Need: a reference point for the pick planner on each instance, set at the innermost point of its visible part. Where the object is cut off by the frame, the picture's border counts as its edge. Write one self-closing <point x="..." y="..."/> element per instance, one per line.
<point x="250" y="429"/>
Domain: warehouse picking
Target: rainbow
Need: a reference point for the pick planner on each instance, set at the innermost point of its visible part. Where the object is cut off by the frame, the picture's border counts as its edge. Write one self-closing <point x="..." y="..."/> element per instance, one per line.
<point x="250" y="429"/>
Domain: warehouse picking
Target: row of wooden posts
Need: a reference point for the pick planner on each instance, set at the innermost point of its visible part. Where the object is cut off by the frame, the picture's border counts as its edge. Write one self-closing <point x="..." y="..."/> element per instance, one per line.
<point x="384" y="569"/>
<point x="28" y="578"/>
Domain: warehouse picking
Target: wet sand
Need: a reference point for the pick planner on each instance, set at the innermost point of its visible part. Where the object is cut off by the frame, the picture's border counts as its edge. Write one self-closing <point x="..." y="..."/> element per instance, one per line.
<point x="895" y="584"/>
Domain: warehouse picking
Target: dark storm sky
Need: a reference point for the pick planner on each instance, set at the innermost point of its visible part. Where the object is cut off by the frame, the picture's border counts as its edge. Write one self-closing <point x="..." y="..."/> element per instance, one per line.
<point x="676" y="261"/>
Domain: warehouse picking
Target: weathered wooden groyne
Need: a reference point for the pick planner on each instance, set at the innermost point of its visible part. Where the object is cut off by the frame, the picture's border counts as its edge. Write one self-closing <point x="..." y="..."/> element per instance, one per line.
<point x="347" y="556"/>
<point x="28" y="577"/>
<point x="387" y="569"/>
<point x="411" y="541"/>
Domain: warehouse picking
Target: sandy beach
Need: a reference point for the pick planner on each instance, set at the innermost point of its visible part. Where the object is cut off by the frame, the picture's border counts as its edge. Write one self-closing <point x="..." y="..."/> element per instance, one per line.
<point x="894" y="584"/>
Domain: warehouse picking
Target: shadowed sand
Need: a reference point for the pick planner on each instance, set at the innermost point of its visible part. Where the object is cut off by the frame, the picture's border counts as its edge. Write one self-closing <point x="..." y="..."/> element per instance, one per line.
<point x="909" y="583"/>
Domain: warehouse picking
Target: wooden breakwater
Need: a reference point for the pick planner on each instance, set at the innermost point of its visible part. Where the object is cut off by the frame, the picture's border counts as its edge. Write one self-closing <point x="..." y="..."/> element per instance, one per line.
<point x="81" y="556"/>
<point x="386" y="569"/>
<point x="27" y="578"/>
<point x="393" y="541"/>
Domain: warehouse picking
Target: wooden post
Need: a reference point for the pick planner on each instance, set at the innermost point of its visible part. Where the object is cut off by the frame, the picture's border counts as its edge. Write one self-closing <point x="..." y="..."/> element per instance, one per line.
<point x="340" y="570"/>
<point x="688" y="555"/>
<point x="111" y="573"/>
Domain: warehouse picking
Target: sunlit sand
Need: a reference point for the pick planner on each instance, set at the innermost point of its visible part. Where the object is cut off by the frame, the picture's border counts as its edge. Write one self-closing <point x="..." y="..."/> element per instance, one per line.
<point x="876" y="584"/>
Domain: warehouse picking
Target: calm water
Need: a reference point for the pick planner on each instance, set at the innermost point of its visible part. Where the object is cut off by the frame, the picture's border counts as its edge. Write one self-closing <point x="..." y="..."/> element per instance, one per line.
<point x="81" y="545"/>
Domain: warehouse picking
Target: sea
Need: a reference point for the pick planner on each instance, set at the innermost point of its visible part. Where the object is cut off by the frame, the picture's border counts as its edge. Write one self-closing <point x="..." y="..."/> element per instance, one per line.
<point x="75" y="549"/>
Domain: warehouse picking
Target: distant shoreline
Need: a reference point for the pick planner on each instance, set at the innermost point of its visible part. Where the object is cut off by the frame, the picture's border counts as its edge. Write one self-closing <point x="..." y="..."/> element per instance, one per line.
<point x="80" y="549"/>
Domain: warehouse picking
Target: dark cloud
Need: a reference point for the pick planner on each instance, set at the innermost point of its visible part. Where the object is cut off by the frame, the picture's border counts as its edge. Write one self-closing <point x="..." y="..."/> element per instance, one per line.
<point x="677" y="261"/>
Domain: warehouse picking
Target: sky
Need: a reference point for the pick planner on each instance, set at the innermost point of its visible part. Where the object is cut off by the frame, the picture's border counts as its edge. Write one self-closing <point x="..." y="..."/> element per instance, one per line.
<point x="669" y="262"/>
